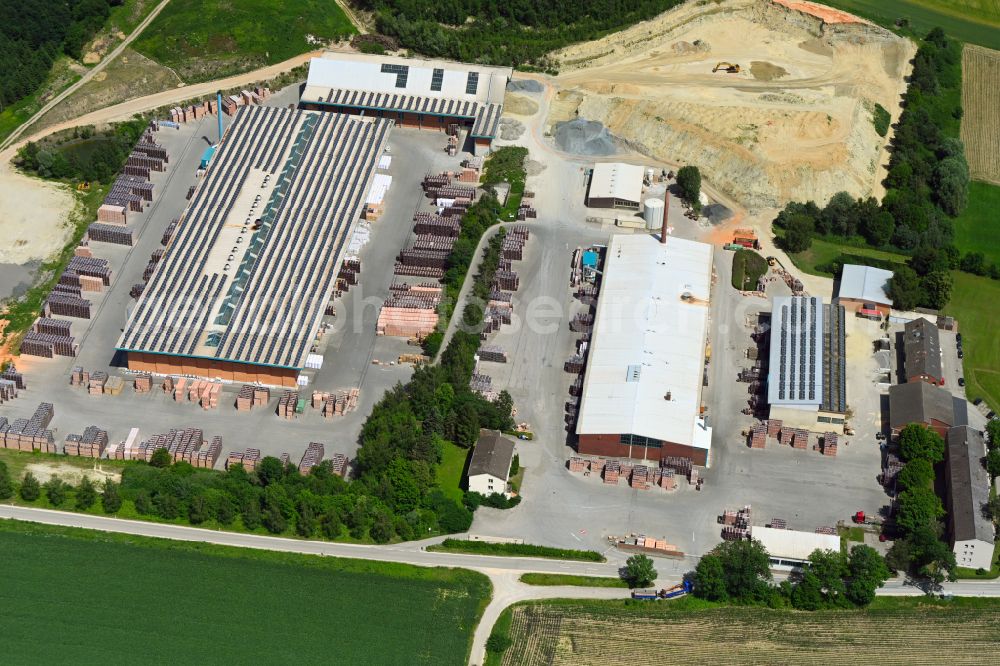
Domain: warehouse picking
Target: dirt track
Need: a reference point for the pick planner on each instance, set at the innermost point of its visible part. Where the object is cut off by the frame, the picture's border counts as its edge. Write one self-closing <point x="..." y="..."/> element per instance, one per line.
<point x="795" y="123"/>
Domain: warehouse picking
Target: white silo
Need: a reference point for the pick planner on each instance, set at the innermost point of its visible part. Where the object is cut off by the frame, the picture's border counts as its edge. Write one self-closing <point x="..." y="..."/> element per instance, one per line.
<point x="653" y="213"/>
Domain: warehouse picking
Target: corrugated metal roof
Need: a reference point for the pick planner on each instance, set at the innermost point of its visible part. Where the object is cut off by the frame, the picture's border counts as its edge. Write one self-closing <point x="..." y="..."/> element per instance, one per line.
<point x="653" y="313"/>
<point x="922" y="350"/>
<point x="865" y="283"/>
<point x="616" y="180"/>
<point x="226" y="290"/>
<point x="968" y="485"/>
<point x="793" y="544"/>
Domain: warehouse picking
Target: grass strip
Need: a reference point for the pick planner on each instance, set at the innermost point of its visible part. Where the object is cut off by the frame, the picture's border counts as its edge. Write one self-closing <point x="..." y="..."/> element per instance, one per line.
<point x="575" y="581"/>
<point x="515" y="550"/>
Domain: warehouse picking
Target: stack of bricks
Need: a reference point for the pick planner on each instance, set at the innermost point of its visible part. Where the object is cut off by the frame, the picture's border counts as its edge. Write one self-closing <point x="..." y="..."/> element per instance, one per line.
<point x="577" y="464"/>
<point x="114" y="386"/>
<point x="286" y="404"/>
<point x="67" y="306"/>
<point x="336" y="404"/>
<point x="778" y="524"/>
<point x="30" y="434"/>
<point x="829" y="446"/>
<point x="208" y="455"/>
<point x="625" y="468"/>
<point x="244" y="399"/>
<point x="179" y="388"/>
<point x="800" y="440"/>
<point x="597" y="466"/>
<point x="91" y="444"/>
<point x="168" y="384"/>
<point x="338" y="464"/>
<point x="11" y="374"/>
<point x="249" y="459"/>
<point x="78" y="376"/>
<point x="8" y="390"/>
<point x="758" y="436"/>
<point x="640" y="477"/>
<point x="47" y="346"/>
<point x="96" y="384"/>
<point x="774" y="428"/>
<point x="261" y="396"/>
<point x="312" y="457"/>
<point x="611" y="472"/>
<point x="667" y="480"/>
<point x="681" y="466"/>
<point x="143" y="383"/>
<point x="693" y="476"/>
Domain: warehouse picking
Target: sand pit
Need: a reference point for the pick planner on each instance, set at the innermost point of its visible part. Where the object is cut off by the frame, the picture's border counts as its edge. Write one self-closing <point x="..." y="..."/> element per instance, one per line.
<point x="33" y="216"/>
<point x="72" y="474"/>
<point x="794" y="123"/>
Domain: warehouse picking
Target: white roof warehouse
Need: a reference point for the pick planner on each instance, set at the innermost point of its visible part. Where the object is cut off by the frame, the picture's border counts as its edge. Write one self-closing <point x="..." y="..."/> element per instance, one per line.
<point x="642" y="385"/>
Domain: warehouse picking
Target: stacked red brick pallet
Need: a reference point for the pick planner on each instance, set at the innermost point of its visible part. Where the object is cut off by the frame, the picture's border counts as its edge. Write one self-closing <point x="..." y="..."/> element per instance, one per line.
<point x="67" y="306"/>
<point x="47" y="345"/>
<point x="312" y="457"/>
<point x="12" y="375"/>
<point x="577" y="465"/>
<point x="612" y="470"/>
<point x="30" y="434"/>
<point x="492" y="353"/>
<point x="143" y="383"/>
<point x="337" y="403"/>
<point x="430" y="224"/>
<point x="829" y="445"/>
<point x="249" y="459"/>
<point x="91" y="444"/>
<point x="287" y="403"/>
<point x="758" y="436"/>
<point x="339" y="464"/>
<point x="95" y="386"/>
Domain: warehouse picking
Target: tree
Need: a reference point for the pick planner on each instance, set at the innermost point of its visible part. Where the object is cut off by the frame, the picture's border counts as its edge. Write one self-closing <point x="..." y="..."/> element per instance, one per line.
<point x="917" y="441"/>
<point x="993" y="433"/>
<point x="198" y="509"/>
<point x="905" y="289"/>
<point x="466" y="425"/>
<point x="161" y="458"/>
<point x="381" y="529"/>
<point x="689" y="184"/>
<point x="225" y="509"/>
<point x="515" y="465"/>
<point x="6" y="484"/>
<point x="992" y="509"/>
<point x="918" y="473"/>
<point x="993" y="462"/>
<point x="951" y="184"/>
<point x="111" y="499"/>
<point x="937" y="289"/>
<point x="166" y="505"/>
<point x="829" y="567"/>
<point x="866" y="572"/>
<point x="807" y="594"/>
<point x="250" y="513"/>
<point x="709" y="579"/>
<point x="270" y="470"/>
<point x="86" y="494"/>
<point x="798" y="234"/>
<point x="273" y="520"/>
<point x="143" y="504"/>
<point x="639" y="571"/>
<point x="747" y="569"/>
<point x="30" y="488"/>
<point x="918" y="507"/>
<point x="975" y="263"/>
<point x="331" y="525"/>
<point x="56" y="491"/>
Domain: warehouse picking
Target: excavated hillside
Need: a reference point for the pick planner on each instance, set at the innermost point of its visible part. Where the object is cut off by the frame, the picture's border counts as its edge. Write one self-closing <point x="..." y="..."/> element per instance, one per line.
<point x="794" y="123"/>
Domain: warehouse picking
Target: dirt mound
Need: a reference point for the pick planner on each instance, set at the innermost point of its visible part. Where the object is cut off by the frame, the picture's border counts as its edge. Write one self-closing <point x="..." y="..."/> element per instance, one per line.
<point x="524" y="85"/>
<point x="765" y="71"/>
<point x="585" y="137"/>
<point x="519" y="106"/>
<point x="510" y="129"/>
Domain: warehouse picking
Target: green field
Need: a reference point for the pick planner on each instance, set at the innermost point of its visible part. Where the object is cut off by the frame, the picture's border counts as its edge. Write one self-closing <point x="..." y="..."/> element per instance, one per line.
<point x="974" y="21"/>
<point x="824" y="251"/>
<point x="688" y="631"/>
<point x="748" y="267"/>
<point x="206" y="39"/>
<point x="81" y="596"/>
<point x="977" y="229"/>
<point x="973" y="303"/>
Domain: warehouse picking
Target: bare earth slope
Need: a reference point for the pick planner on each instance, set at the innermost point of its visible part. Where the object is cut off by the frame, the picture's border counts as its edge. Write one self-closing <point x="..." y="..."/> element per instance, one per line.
<point x="794" y="123"/>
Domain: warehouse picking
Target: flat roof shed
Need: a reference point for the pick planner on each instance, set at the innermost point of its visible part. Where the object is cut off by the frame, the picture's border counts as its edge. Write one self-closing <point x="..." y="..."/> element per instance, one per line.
<point x="865" y="284"/>
<point x="792" y="547"/>
<point x="615" y="185"/>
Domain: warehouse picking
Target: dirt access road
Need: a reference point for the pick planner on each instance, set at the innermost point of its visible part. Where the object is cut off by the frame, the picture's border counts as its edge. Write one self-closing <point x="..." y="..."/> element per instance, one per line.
<point x="795" y="123"/>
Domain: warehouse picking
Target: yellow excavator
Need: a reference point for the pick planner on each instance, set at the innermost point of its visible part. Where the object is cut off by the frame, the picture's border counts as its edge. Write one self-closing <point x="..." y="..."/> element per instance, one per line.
<point x="727" y="67"/>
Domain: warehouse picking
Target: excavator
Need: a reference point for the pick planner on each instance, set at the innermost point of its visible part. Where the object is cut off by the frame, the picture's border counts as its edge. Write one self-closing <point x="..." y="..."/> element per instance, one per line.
<point x="727" y="67"/>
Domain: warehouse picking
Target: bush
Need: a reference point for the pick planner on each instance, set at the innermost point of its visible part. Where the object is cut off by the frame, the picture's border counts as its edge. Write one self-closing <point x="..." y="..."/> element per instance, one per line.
<point x="881" y="120"/>
<point x="30" y="488"/>
<point x="56" y="491"/>
<point x="111" y="499"/>
<point x="6" y="484"/>
<point x="689" y="184"/>
<point x="86" y="494"/>
<point x="639" y="571"/>
<point x="497" y="643"/>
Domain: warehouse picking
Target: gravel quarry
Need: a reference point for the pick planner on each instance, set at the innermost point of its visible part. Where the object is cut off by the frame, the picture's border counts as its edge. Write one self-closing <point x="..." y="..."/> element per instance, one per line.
<point x="794" y="123"/>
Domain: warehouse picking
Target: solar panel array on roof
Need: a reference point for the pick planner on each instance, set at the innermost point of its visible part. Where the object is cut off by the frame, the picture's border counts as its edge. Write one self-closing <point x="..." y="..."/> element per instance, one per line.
<point x="249" y="272"/>
<point x="796" y="351"/>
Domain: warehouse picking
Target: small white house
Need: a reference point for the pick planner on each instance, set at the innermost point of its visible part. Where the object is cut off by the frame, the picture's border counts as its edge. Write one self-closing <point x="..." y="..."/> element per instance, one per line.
<point x="489" y="469"/>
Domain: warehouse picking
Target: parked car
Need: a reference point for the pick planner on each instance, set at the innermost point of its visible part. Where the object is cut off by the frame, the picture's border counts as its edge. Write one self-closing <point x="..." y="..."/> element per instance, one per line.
<point x="977" y="402"/>
<point x="958" y="338"/>
<point x="961" y="381"/>
<point x="961" y="354"/>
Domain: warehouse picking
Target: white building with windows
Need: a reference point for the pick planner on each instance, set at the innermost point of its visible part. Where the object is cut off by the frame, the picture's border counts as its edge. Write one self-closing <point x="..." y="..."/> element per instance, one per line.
<point x="489" y="469"/>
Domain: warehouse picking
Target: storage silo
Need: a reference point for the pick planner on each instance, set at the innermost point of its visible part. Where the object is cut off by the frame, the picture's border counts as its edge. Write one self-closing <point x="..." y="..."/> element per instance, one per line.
<point x="653" y="213"/>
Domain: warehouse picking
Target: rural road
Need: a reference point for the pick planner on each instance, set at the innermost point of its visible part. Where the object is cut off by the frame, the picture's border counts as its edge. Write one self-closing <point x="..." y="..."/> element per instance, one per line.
<point x="86" y="77"/>
<point x="504" y="572"/>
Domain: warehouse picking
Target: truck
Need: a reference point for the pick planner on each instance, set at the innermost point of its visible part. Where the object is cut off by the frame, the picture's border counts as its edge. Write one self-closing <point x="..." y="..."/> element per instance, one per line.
<point x="678" y="590"/>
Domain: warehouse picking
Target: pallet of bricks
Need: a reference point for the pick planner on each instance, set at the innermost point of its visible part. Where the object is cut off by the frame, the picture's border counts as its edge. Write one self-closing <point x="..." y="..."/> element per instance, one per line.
<point x="49" y="337"/>
<point x="65" y="305"/>
<point x="640" y="477"/>
<point x="492" y="353"/>
<point x="410" y="311"/>
<point x="249" y="458"/>
<point x="828" y="445"/>
<point x="312" y="457"/>
<point x="758" y="436"/>
<point x="114" y="386"/>
<point x="108" y="233"/>
<point x="91" y="444"/>
<point x="287" y="404"/>
<point x="612" y="470"/>
<point x="168" y="233"/>
<point x="483" y="385"/>
<point x="251" y="396"/>
<point x="736" y="523"/>
<point x="439" y="226"/>
<point x="577" y="465"/>
<point x="143" y="383"/>
<point x="30" y="434"/>
<point x="797" y="438"/>
<point x="335" y="404"/>
<point x="339" y="464"/>
<point x="204" y="393"/>
<point x="95" y="382"/>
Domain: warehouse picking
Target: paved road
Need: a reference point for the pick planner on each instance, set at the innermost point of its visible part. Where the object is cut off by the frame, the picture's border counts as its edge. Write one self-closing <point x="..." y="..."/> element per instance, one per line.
<point x="86" y="77"/>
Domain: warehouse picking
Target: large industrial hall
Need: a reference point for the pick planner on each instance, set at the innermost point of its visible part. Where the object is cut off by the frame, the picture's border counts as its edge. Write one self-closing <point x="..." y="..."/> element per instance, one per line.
<point x="243" y="288"/>
<point x="425" y="94"/>
<point x="642" y="391"/>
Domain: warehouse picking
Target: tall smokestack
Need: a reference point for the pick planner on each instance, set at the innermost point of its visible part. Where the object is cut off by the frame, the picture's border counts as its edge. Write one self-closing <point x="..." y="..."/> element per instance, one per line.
<point x="218" y="108"/>
<point x="666" y="207"/>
